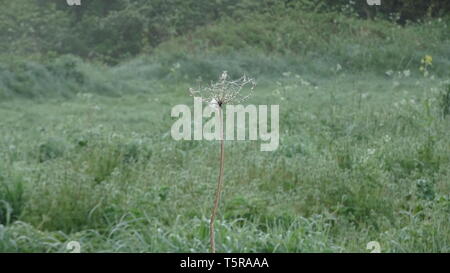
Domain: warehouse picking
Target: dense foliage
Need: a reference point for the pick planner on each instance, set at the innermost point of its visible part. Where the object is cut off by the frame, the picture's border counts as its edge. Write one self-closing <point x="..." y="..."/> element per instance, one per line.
<point x="111" y="30"/>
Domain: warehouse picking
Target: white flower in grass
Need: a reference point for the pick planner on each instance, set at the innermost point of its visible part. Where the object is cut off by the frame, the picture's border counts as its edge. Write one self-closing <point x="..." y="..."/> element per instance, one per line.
<point x="225" y="90"/>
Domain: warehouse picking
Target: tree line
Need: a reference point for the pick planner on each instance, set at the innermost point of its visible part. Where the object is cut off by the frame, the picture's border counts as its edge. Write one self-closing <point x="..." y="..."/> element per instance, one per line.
<point x="111" y="30"/>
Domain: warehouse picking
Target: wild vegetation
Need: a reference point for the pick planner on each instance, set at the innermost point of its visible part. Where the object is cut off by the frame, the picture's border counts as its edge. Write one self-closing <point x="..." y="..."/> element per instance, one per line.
<point x="85" y="147"/>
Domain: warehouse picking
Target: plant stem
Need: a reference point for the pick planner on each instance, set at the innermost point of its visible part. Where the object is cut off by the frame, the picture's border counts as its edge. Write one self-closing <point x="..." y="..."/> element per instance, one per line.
<point x="219" y="185"/>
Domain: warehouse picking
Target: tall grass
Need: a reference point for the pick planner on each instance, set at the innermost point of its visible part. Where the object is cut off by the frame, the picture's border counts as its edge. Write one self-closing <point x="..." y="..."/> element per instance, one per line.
<point x="348" y="171"/>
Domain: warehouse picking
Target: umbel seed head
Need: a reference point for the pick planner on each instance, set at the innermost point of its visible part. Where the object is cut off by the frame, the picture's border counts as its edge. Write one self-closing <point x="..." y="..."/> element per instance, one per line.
<point x="225" y="90"/>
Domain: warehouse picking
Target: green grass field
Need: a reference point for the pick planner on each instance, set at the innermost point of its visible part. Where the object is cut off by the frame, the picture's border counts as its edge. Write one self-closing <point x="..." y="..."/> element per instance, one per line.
<point x="86" y="154"/>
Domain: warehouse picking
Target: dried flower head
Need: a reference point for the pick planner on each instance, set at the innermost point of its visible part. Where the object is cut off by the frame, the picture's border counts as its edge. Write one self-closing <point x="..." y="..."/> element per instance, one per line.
<point x="225" y="90"/>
